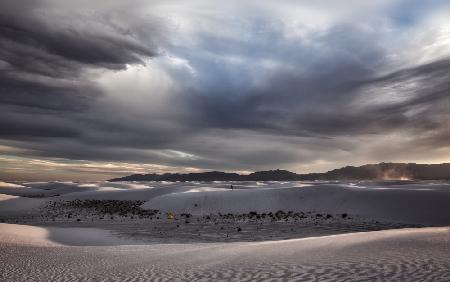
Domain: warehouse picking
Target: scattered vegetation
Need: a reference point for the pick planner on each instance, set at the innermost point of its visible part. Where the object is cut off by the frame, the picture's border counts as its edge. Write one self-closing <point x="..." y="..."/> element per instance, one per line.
<point x="100" y="208"/>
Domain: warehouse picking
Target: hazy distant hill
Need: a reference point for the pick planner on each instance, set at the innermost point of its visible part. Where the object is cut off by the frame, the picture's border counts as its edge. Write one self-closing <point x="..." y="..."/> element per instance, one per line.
<point x="386" y="171"/>
<point x="275" y="175"/>
<point x="370" y="172"/>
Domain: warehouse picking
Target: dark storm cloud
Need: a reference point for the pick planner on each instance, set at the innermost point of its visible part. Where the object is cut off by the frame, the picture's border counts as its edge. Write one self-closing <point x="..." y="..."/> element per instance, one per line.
<point x="330" y="116"/>
<point x="432" y="83"/>
<point x="324" y="94"/>
<point x="27" y="126"/>
<point x="43" y="55"/>
<point x="229" y="91"/>
<point x="424" y="107"/>
<point x="310" y="99"/>
<point x="55" y="43"/>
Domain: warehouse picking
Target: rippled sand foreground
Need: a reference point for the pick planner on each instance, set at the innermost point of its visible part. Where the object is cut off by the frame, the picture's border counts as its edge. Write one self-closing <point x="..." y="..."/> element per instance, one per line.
<point x="393" y="255"/>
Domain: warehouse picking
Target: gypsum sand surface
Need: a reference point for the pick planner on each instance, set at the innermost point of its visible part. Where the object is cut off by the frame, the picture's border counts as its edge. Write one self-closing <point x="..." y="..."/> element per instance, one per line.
<point x="127" y="220"/>
<point x="389" y="255"/>
<point x="140" y="249"/>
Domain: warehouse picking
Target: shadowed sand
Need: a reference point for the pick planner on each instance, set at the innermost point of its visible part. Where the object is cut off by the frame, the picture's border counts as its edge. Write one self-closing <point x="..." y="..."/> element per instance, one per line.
<point x="394" y="255"/>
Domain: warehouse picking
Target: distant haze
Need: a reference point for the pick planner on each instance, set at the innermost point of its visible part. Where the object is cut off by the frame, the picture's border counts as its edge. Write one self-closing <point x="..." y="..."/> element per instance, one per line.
<point x="93" y="90"/>
<point x="381" y="171"/>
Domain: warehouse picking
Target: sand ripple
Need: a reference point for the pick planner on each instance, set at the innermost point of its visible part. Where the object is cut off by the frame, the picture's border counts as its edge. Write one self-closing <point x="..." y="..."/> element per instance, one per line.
<point x="392" y="256"/>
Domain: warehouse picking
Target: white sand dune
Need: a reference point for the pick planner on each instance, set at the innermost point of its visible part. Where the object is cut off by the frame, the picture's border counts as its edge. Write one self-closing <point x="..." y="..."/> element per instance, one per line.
<point x="4" y="197"/>
<point x="20" y="191"/>
<point x="44" y="189"/>
<point x="17" y="206"/>
<point x="51" y="189"/>
<point x="395" y="255"/>
<point x="125" y="194"/>
<point x="26" y="199"/>
<point x="15" y="234"/>
<point x="9" y="185"/>
<point x="424" y="205"/>
<point x="35" y="193"/>
<point x="58" y="253"/>
<point x="420" y="202"/>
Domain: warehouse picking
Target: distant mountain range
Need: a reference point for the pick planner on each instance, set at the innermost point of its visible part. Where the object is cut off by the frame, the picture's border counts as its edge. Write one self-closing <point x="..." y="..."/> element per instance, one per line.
<point x="381" y="171"/>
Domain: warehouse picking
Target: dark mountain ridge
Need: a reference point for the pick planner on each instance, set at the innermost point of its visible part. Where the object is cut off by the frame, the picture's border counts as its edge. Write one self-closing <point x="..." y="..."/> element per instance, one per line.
<point x="381" y="171"/>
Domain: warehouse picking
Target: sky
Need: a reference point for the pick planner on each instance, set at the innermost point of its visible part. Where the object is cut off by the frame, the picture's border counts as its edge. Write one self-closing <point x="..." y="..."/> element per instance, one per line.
<point x="91" y="90"/>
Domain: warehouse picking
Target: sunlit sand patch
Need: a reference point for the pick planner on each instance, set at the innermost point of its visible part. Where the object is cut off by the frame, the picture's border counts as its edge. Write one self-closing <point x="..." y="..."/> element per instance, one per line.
<point x="24" y="235"/>
<point x="10" y="185"/>
<point x="4" y="197"/>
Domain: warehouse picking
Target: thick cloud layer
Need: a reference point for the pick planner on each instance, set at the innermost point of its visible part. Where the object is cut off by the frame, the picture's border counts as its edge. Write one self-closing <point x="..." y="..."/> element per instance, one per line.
<point x="45" y="54"/>
<point x="237" y="86"/>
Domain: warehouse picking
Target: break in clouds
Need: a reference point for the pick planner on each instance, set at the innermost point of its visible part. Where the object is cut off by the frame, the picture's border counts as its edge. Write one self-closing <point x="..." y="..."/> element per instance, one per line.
<point x="96" y="89"/>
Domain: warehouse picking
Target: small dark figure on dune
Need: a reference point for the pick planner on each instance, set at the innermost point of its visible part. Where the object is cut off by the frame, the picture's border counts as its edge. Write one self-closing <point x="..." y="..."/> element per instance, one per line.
<point x="231" y="187"/>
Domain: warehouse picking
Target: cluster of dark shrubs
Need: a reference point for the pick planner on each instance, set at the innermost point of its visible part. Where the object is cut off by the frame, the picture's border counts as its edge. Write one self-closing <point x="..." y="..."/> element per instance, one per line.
<point x="280" y="215"/>
<point x="133" y="210"/>
<point x="34" y="196"/>
<point x="186" y="217"/>
<point x="105" y="207"/>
